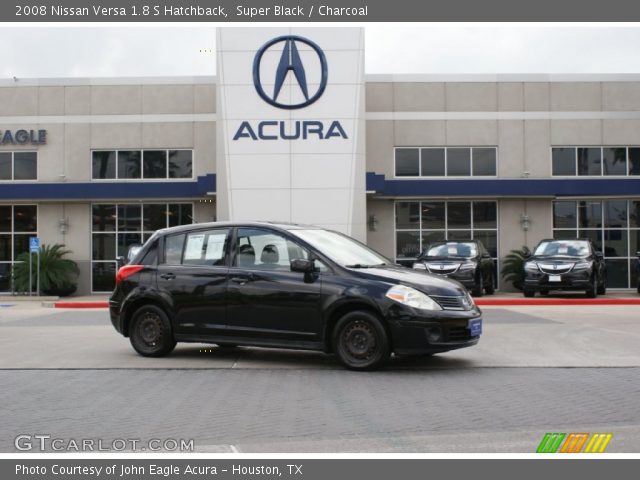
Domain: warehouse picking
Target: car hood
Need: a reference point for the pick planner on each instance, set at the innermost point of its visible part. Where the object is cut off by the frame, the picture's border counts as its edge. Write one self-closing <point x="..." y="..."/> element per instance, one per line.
<point x="421" y="280"/>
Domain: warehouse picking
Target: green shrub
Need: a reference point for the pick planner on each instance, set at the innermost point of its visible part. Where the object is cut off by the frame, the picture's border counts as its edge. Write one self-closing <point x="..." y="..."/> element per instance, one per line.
<point x="58" y="275"/>
<point x="513" y="266"/>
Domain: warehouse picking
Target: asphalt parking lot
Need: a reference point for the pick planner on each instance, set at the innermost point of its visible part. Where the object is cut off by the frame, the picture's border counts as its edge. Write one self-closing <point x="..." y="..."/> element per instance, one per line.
<point x="537" y="369"/>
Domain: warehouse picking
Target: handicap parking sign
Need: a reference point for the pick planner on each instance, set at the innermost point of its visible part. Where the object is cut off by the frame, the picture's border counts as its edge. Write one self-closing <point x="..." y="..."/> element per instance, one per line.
<point x="34" y="244"/>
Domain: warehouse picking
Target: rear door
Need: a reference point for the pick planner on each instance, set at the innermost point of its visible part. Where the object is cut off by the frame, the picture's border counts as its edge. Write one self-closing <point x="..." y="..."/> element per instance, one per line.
<point x="193" y="274"/>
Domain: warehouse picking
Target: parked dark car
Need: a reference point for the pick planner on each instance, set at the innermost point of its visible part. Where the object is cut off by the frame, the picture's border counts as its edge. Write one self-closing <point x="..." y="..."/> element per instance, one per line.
<point x="288" y="286"/>
<point x="565" y="265"/>
<point x="466" y="261"/>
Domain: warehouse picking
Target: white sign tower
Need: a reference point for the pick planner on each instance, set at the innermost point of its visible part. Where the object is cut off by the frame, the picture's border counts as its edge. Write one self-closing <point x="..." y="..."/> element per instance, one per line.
<point x="291" y="126"/>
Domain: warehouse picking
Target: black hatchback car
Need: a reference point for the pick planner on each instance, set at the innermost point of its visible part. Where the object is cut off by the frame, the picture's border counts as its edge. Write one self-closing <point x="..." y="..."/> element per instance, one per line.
<point x="286" y="286"/>
<point x="565" y="265"/>
<point x="466" y="261"/>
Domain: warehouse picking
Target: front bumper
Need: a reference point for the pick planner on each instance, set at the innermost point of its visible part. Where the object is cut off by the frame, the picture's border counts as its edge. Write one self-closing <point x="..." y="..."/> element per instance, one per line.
<point x="580" y="280"/>
<point x="417" y="332"/>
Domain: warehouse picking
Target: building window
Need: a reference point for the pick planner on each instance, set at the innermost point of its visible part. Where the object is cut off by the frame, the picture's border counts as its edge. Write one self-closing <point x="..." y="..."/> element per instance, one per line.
<point x="445" y="161"/>
<point x="595" y="161"/>
<point x="420" y="223"/>
<point x="612" y="225"/>
<point x="18" y="165"/>
<point x="115" y="227"/>
<point x="141" y="164"/>
<point x="17" y="224"/>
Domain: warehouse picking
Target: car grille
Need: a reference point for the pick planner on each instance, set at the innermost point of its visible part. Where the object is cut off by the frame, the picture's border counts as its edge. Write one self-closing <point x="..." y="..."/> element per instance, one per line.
<point x="442" y="268"/>
<point x="458" y="334"/>
<point x="453" y="303"/>
<point x="555" y="269"/>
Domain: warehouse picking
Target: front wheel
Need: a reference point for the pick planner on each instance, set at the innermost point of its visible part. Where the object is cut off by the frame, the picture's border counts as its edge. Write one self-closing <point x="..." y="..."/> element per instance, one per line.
<point x="478" y="288"/>
<point x="151" y="334"/>
<point x="490" y="288"/>
<point x="529" y="293"/>
<point x="592" y="291"/>
<point x="602" y="289"/>
<point x="361" y="342"/>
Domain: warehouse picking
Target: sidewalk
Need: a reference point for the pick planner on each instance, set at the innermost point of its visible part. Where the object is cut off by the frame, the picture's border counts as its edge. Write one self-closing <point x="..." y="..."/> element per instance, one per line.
<point x="620" y="297"/>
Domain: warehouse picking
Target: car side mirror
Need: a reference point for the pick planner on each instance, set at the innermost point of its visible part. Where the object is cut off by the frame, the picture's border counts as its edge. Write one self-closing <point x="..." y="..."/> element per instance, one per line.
<point x="302" y="265"/>
<point x="599" y="255"/>
<point x="120" y="261"/>
<point x="486" y="255"/>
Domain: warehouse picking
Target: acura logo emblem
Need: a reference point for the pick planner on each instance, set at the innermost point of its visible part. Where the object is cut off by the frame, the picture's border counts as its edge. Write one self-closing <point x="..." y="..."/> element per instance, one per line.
<point x="290" y="61"/>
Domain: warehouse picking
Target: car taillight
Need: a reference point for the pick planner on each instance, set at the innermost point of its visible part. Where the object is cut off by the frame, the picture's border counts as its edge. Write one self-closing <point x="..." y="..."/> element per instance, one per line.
<point x="126" y="271"/>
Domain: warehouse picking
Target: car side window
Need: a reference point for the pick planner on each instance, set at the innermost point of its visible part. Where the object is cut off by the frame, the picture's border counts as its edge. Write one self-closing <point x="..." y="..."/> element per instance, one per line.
<point x="173" y="245"/>
<point x="267" y="250"/>
<point x="207" y="248"/>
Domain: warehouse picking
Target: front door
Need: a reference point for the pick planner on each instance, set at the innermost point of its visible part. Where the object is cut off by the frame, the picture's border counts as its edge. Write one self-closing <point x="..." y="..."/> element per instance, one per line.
<point x="266" y="299"/>
<point x="193" y="275"/>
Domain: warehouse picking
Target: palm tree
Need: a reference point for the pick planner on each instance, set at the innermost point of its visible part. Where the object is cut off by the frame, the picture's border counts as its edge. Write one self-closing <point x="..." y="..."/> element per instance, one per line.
<point x="58" y="275"/>
<point x="513" y="266"/>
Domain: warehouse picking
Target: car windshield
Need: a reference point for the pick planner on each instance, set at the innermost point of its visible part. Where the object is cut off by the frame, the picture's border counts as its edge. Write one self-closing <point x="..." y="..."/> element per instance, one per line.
<point x="452" y="249"/>
<point x="564" y="248"/>
<point x="341" y="249"/>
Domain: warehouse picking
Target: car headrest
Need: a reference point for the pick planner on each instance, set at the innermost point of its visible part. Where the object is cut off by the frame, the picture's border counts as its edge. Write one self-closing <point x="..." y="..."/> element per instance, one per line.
<point x="246" y="256"/>
<point x="270" y="254"/>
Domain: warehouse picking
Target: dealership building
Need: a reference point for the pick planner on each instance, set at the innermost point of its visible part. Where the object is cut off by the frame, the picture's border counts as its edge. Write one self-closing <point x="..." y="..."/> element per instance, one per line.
<point x="292" y="129"/>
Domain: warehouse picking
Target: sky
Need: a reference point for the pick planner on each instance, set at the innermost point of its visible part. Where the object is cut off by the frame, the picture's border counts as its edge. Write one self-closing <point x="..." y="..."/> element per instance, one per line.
<point x="105" y="51"/>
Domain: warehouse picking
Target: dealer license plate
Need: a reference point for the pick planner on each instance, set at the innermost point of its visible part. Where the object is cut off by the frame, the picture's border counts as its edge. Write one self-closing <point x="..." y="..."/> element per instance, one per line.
<point x="555" y="278"/>
<point x="475" y="327"/>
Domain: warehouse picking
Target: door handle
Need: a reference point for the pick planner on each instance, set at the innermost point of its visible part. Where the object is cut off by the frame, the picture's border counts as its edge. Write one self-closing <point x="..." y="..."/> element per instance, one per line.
<point x="239" y="280"/>
<point x="168" y="276"/>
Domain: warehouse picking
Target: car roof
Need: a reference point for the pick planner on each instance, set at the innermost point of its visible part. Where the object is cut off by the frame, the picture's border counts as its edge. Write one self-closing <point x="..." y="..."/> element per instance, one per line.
<point x="204" y="225"/>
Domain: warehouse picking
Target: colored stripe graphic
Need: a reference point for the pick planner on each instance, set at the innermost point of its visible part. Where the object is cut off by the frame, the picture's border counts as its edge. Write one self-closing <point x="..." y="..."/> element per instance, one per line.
<point x="574" y="443"/>
<point x="598" y="443"/>
<point x="550" y="443"/>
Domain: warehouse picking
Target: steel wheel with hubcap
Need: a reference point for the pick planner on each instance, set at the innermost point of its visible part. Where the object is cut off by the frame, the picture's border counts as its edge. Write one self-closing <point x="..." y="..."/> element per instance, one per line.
<point x="150" y="333"/>
<point x="360" y="341"/>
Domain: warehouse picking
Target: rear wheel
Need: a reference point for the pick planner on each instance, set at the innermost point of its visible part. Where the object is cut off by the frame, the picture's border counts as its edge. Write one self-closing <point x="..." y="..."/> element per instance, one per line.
<point x="529" y="293"/>
<point x="361" y="342"/>
<point x="592" y="291"/>
<point x="150" y="333"/>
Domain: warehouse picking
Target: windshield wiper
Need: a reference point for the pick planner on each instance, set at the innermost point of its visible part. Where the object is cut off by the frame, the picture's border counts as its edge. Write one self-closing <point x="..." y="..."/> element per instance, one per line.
<point x="361" y="265"/>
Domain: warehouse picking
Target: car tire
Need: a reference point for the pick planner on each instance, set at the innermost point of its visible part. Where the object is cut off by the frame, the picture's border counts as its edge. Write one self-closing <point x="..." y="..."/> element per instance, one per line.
<point x="529" y="293"/>
<point x="602" y="289"/>
<point x="490" y="289"/>
<point x="478" y="288"/>
<point x="360" y="341"/>
<point x="150" y="333"/>
<point x="592" y="291"/>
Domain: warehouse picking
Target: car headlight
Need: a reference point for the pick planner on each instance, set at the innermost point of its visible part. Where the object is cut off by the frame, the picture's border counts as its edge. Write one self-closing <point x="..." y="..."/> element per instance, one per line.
<point x="419" y="266"/>
<point x="531" y="267"/>
<point x="412" y="298"/>
<point x="468" y="266"/>
<point x="581" y="266"/>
